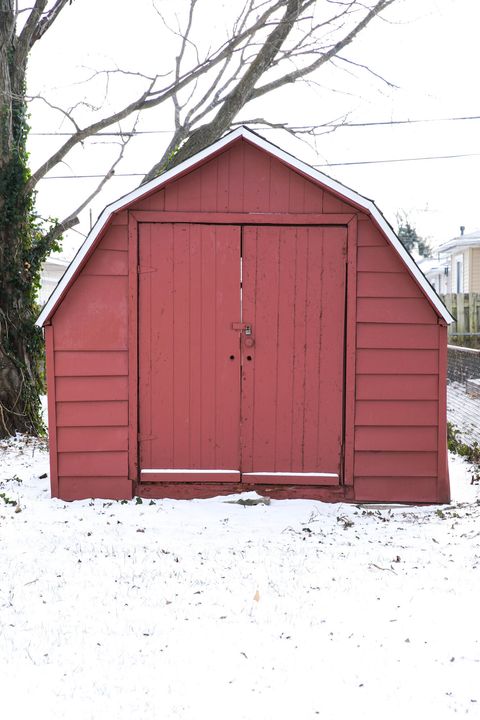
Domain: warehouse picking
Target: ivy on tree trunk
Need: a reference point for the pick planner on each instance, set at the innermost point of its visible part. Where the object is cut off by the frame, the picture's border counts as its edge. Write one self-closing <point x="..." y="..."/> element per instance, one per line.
<point x="24" y="246"/>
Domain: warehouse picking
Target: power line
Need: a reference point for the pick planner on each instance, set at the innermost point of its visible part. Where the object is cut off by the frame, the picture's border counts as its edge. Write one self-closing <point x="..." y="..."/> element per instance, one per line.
<point x="398" y="160"/>
<point x="332" y="164"/>
<point x="77" y="177"/>
<point x="375" y="123"/>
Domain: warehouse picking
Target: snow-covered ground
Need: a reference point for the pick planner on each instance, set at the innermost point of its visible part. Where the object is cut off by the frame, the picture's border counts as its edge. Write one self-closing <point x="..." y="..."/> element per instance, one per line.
<point x="463" y="411"/>
<point x="210" y="609"/>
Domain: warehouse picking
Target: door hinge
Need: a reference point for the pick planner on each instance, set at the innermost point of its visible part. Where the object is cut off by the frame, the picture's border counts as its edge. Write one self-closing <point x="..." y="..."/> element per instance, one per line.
<point x="142" y="269"/>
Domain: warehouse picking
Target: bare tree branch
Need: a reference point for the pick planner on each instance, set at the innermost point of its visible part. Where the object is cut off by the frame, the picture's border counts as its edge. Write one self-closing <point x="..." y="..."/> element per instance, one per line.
<point x="71" y="220"/>
<point x="66" y="113"/>
<point x="324" y="58"/>
<point x="368" y="69"/>
<point x="47" y="20"/>
<point x="178" y="62"/>
<point x="152" y="98"/>
<point x="25" y="38"/>
<point x="237" y="98"/>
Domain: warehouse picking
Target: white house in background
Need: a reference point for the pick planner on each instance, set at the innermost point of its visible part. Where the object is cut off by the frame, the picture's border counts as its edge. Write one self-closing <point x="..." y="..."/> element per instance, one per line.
<point x="462" y="257"/>
<point x="437" y="271"/>
<point x="52" y="271"/>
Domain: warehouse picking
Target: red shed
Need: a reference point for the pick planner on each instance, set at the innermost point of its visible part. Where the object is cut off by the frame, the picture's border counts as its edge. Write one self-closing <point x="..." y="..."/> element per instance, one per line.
<point x="246" y="322"/>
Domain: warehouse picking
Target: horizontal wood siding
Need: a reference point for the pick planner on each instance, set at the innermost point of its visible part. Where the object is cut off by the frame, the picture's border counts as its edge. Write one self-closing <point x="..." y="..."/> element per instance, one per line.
<point x="80" y="487"/>
<point x="90" y="331"/>
<point x="397" y="489"/>
<point x="397" y="379"/>
<point x="104" y="438"/>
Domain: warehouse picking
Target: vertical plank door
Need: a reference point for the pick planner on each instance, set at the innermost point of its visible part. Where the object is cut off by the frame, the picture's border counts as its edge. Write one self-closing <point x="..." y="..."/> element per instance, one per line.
<point x="189" y="364"/>
<point x="293" y="361"/>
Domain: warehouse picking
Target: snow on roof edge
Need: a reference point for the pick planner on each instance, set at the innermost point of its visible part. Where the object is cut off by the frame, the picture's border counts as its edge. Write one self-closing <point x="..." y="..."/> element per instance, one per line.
<point x="258" y="141"/>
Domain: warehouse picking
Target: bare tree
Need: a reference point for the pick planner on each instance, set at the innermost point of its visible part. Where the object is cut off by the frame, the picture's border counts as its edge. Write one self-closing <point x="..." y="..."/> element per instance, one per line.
<point x="271" y="44"/>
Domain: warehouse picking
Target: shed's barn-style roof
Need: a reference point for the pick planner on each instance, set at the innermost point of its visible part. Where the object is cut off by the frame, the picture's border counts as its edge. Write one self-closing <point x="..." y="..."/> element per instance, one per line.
<point x="307" y="171"/>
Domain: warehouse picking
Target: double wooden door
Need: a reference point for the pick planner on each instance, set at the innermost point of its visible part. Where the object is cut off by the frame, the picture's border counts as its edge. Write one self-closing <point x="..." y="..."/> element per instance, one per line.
<point x="241" y="353"/>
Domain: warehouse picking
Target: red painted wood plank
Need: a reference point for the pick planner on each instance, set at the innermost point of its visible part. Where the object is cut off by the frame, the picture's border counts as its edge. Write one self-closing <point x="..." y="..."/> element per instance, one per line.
<point x="98" y="464"/>
<point x="156" y="201"/>
<point x="109" y="488"/>
<point x="190" y="477"/>
<point x="260" y="300"/>
<point x="223" y="170"/>
<point x="321" y="319"/>
<point x="171" y="195"/>
<point x="181" y="350"/>
<point x="107" y="262"/>
<point x="248" y="355"/>
<point x="443" y="486"/>
<point x="195" y="312"/>
<point x="285" y="343"/>
<point x="397" y="336"/>
<point x="92" y="388"/>
<point x="188" y="190"/>
<point x="399" y="489"/>
<point x="119" y="218"/>
<point x="395" y="310"/>
<point x="298" y="351"/>
<point x="370" y="235"/>
<point x="396" y="412"/>
<point x="296" y="201"/>
<point x="397" y="387"/>
<point x="133" y="445"/>
<point x="391" y="362"/>
<point x="208" y="374"/>
<point x="93" y="315"/>
<point x="279" y="186"/>
<point x="293" y="479"/>
<point x="387" y="285"/>
<point x="52" y="409"/>
<point x="90" y="363"/>
<point x="332" y="203"/>
<point x="392" y="464"/>
<point x="238" y="217"/>
<point x="396" y="438"/>
<point x="350" y="352"/>
<point x="227" y="305"/>
<point x="209" y="186"/>
<point x="115" y="238"/>
<point x="379" y="259"/>
<point x="256" y="179"/>
<point x="329" y="372"/>
<point x="88" y="439"/>
<point x="312" y="198"/>
<point x="92" y="414"/>
<point x="236" y="196"/>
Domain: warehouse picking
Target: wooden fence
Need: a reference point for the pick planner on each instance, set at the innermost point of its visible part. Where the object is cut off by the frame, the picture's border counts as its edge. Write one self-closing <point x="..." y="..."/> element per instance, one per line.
<point x="465" y="307"/>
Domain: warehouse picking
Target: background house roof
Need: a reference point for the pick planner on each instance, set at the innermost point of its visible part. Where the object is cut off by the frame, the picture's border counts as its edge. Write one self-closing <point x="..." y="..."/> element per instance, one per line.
<point x="466" y="240"/>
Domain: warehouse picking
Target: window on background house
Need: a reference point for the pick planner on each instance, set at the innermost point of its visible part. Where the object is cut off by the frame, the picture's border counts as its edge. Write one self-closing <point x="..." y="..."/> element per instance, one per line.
<point x="459" y="273"/>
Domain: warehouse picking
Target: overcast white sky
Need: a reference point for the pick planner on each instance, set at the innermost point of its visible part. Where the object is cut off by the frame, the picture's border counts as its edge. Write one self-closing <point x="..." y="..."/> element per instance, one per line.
<point x="427" y="48"/>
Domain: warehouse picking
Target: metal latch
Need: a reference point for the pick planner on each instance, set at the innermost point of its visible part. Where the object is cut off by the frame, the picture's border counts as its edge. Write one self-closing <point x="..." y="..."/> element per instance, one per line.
<point x="242" y="327"/>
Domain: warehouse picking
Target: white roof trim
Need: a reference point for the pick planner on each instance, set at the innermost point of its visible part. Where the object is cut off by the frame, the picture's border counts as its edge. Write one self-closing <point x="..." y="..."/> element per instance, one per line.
<point x="241" y="132"/>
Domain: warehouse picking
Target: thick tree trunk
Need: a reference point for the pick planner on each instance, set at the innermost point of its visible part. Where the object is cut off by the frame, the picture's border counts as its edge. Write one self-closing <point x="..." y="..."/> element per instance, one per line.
<point x="20" y="409"/>
<point x="22" y="249"/>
